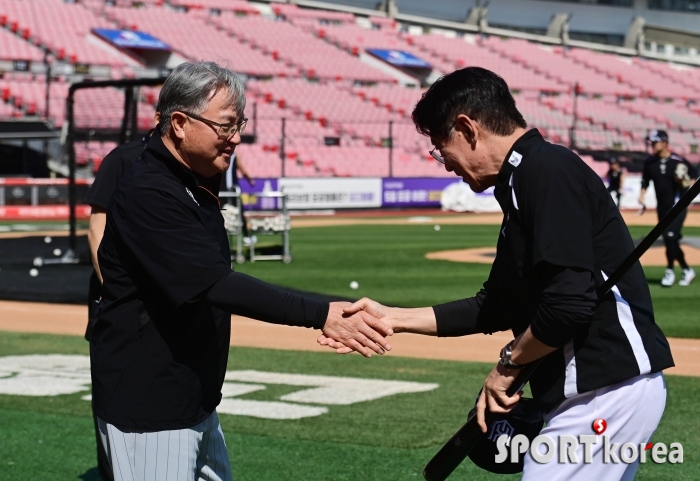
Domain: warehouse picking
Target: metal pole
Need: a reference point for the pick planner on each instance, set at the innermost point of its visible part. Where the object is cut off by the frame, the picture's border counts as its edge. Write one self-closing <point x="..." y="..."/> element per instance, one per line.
<point x="572" y="134"/>
<point x="391" y="148"/>
<point x="282" y="154"/>
<point x="134" y="132"/>
<point x="255" y="121"/>
<point x="72" y="194"/>
<point x="47" y="65"/>
<point x="128" y="101"/>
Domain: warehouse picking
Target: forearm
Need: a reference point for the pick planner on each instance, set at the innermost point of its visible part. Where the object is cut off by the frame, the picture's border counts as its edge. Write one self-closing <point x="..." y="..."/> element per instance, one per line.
<point x="243" y="172"/>
<point x="246" y="296"/>
<point x="567" y="304"/>
<point x="642" y="195"/>
<point x="419" y="320"/>
<point x="480" y="314"/>
<point x="527" y="348"/>
<point x="96" y="230"/>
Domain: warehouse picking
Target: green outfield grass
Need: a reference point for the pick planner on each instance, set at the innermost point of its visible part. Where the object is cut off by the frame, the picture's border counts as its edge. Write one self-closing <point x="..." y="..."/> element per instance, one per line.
<point x="51" y="438"/>
<point x="388" y="262"/>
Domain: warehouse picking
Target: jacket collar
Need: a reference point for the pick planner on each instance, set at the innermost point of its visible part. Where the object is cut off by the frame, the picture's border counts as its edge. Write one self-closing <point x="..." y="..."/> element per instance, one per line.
<point x="515" y="155"/>
<point x="185" y="175"/>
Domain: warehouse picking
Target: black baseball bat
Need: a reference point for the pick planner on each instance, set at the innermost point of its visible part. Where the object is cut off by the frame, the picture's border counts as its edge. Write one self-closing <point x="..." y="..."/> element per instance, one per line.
<point x="458" y="447"/>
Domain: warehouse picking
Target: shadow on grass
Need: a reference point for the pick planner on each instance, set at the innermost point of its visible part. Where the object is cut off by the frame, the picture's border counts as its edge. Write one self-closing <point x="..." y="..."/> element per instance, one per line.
<point x="92" y="474"/>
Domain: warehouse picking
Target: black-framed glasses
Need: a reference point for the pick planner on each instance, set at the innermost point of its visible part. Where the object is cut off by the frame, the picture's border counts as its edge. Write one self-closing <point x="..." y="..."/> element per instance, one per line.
<point x="224" y="131"/>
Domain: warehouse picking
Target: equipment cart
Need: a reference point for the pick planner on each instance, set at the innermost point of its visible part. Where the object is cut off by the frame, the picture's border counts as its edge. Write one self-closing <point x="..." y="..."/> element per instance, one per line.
<point x="274" y="220"/>
<point x="233" y="222"/>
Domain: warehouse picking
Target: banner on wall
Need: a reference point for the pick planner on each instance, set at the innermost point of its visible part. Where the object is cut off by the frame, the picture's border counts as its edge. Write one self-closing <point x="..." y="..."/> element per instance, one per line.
<point x="418" y="192"/>
<point x="332" y="193"/>
<point x="250" y="194"/>
<point x="354" y="193"/>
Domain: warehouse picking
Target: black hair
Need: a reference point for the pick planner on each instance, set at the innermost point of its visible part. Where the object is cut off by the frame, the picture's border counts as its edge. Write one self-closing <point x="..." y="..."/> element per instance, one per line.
<point x="474" y="91"/>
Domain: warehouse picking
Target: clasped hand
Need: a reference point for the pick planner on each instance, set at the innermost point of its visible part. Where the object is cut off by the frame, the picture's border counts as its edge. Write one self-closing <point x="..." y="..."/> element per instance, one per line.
<point x="362" y="327"/>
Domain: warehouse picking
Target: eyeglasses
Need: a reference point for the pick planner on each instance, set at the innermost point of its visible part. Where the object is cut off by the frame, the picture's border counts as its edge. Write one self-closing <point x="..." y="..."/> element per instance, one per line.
<point x="224" y="131"/>
<point x="437" y="156"/>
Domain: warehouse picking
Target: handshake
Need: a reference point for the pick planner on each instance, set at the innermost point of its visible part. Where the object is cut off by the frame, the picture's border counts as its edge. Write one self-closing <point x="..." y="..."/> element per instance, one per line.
<point x="363" y="327"/>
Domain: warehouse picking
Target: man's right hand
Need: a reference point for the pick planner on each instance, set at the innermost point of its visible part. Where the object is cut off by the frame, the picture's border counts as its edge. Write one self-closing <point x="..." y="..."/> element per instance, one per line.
<point x="349" y="329"/>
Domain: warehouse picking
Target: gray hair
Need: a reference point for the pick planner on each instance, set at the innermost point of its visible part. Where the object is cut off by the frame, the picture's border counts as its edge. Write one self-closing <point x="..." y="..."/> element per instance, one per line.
<point x="191" y="85"/>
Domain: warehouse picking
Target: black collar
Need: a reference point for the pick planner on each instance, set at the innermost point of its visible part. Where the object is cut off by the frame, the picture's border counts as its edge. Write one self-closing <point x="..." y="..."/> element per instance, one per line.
<point x="520" y="149"/>
<point x="187" y="176"/>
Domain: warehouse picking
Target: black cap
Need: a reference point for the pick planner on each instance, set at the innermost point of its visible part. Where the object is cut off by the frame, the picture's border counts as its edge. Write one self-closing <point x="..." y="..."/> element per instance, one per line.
<point x="658" y="136"/>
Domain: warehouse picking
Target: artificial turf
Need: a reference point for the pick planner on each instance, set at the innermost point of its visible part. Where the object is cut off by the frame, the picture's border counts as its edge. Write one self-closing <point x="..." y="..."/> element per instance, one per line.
<point x="387" y="439"/>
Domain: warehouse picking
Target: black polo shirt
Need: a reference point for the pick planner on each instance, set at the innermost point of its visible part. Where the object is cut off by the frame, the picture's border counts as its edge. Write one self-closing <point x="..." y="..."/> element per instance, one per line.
<point x="159" y="347"/>
<point x="662" y="172"/>
<point x="111" y="171"/>
<point x="159" y="350"/>
<point x="561" y="236"/>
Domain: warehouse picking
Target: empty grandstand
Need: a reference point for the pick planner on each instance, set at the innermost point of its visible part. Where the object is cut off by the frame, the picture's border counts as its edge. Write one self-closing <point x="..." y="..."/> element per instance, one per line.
<point x="321" y="104"/>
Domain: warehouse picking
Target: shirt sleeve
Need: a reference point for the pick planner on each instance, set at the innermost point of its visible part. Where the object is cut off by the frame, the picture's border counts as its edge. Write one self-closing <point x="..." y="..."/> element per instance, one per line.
<point x="692" y="170"/>
<point x="246" y="296"/>
<point x="556" y="200"/>
<point x="646" y="176"/>
<point x="106" y="180"/>
<point x="567" y="304"/>
<point x="486" y="312"/>
<point x="168" y="240"/>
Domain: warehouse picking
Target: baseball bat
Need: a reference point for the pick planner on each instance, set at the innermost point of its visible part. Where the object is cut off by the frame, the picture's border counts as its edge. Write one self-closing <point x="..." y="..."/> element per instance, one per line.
<point x="458" y="447"/>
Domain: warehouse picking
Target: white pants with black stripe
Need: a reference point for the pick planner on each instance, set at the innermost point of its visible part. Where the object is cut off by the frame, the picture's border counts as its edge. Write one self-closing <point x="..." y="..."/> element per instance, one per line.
<point x="632" y="410"/>
<point x="194" y="454"/>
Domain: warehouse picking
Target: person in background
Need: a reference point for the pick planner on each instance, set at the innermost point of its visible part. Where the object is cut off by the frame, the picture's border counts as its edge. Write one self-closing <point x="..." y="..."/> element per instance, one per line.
<point x="672" y="175"/>
<point x="615" y="180"/>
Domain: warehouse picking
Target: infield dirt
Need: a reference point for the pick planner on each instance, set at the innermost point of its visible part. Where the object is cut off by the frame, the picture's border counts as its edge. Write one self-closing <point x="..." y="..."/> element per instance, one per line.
<point x="71" y="320"/>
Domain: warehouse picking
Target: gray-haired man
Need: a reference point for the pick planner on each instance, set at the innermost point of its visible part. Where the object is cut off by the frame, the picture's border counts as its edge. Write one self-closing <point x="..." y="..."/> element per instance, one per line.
<point x="160" y="343"/>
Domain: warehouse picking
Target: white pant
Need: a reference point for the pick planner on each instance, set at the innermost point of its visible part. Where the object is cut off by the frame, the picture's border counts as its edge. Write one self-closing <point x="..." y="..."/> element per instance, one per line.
<point x="632" y="409"/>
<point x="194" y="454"/>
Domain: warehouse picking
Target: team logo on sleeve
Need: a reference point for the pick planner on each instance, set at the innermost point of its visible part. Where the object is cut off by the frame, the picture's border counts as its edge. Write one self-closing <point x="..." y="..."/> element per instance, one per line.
<point x="515" y="159"/>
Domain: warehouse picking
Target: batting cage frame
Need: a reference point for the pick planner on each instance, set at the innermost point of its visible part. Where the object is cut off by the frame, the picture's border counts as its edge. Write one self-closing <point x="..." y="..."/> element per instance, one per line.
<point x="128" y="131"/>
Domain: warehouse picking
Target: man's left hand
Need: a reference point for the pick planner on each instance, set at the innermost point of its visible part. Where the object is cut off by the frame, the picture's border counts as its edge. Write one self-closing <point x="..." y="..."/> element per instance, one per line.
<point x="493" y="396"/>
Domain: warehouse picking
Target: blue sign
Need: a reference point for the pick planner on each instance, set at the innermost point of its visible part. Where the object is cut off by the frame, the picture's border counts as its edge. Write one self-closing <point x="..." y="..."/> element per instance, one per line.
<point x="131" y="39"/>
<point x="399" y="58"/>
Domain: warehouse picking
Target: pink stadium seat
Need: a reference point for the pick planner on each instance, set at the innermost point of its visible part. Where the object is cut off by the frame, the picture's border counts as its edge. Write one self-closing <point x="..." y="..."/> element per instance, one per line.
<point x="61" y="27"/>
<point x="13" y="47"/>
<point x="306" y="66"/>
<point x="306" y="54"/>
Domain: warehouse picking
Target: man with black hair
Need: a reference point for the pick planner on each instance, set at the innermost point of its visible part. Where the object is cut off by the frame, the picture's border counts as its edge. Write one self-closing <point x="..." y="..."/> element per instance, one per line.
<point x="561" y="237"/>
<point x="672" y="175"/>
